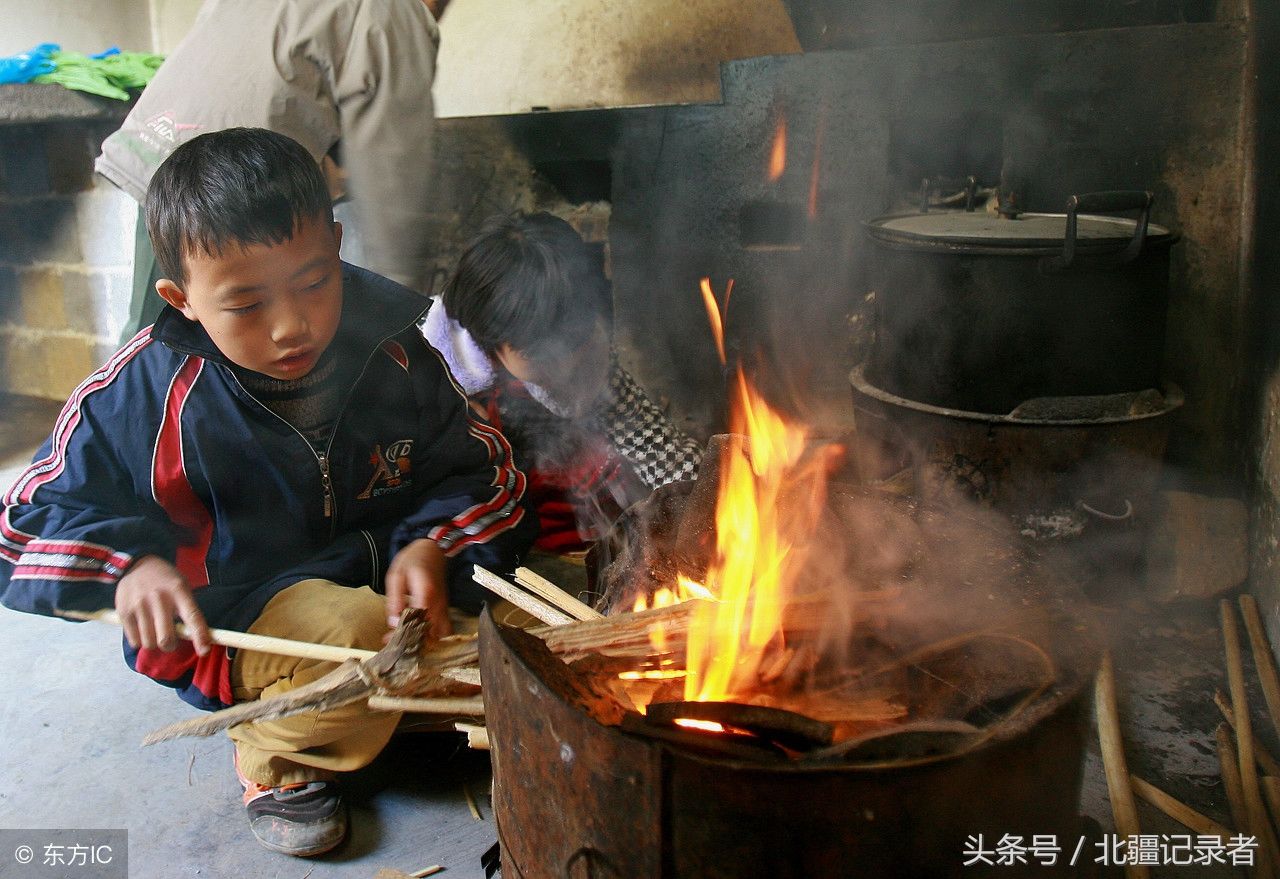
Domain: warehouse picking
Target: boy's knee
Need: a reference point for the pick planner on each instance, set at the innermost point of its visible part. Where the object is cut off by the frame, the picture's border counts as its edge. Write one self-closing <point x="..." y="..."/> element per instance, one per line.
<point x="323" y="612"/>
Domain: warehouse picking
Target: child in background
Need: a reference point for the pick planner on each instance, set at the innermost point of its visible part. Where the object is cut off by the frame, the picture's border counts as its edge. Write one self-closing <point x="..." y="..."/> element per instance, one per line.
<point x="276" y="450"/>
<point x="526" y="329"/>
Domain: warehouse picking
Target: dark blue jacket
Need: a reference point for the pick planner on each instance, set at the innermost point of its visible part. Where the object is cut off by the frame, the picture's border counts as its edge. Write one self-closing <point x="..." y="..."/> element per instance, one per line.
<point x="163" y="452"/>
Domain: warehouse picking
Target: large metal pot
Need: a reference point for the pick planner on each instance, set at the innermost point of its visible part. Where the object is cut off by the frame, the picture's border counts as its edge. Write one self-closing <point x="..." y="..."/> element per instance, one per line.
<point x="1039" y="458"/>
<point x="979" y="312"/>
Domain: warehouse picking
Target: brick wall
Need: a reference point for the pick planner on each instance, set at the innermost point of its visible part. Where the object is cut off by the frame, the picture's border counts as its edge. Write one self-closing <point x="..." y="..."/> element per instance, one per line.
<point x="66" y="253"/>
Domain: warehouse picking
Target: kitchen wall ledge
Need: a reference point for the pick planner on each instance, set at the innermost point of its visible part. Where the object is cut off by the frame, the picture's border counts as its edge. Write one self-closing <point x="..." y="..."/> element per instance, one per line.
<point x="37" y="103"/>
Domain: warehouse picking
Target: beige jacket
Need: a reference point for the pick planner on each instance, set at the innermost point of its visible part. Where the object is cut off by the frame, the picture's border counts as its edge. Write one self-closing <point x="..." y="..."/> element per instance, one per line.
<point x="320" y="71"/>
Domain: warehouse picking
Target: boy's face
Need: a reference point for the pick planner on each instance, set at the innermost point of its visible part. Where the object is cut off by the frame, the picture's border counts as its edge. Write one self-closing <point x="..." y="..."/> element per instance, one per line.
<point x="575" y="377"/>
<point x="272" y="309"/>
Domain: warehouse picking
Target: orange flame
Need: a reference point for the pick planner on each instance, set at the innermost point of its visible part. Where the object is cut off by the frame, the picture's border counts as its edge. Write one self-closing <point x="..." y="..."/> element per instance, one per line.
<point x="770" y="496"/>
<point x="778" y="153"/>
<point x="754" y="566"/>
<point x="713" y="314"/>
<point x="815" y="171"/>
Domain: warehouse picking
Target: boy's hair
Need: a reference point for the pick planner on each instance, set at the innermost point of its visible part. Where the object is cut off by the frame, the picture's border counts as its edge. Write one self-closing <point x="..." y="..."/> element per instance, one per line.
<point x="235" y="186"/>
<point x="530" y="281"/>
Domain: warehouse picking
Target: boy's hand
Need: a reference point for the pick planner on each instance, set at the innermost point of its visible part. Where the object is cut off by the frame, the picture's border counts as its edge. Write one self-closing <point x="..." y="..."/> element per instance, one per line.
<point x="416" y="578"/>
<point x="149" y="596"/>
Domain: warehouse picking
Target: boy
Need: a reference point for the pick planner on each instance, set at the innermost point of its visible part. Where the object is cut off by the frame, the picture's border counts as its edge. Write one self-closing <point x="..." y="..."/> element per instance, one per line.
<point x="254" y="461"/>
<point x="525" y="325"/>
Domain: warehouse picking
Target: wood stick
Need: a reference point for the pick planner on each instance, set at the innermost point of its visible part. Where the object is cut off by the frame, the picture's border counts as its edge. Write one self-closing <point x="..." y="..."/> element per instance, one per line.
<point x="1255" y="810"/>
<point x="1229" y="764"/>
<point x="245" y="640"/>
<point x="548" y="591"/>
<point x="1263" y="659"/>
<point x="444" y="705"/>
<point x="530" y="604"/>
<point x="1270" y="765"/>
<point x="426" y="871"/>
<point x="1271" y="793"/>
<point x="1123" y="808"/>
<point x="392" y="667"/>
<point x="477" y="736"/>
<point x="463" y="675"/>
<point x="471" y="803"/>
<point x="1179" y="811"/>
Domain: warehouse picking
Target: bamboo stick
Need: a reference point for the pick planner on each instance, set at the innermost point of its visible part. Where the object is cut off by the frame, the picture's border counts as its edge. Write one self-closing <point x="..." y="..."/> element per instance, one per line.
<point x="1255" y="810"/>
<point x="426" y="871"/>
<point x="245" y="640"/>
<point x="1266" y="760"/>
<point x="530" y="604"/>
<point x="1263" y="659"/>
<point x="1229" y="765"/>
<point x="1179" y="811"/>
<point x="444" y="705"/>
<point x="1123" y="808"/>
<point x="548" y="591"/>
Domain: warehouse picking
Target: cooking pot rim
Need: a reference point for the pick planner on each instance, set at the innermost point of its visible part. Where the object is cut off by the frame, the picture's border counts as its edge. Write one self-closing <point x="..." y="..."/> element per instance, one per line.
<point x="1157" y="236"/>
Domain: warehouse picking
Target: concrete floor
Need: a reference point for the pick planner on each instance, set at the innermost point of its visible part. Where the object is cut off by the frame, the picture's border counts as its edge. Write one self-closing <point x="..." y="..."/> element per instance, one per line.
<point x="70" y="755"/>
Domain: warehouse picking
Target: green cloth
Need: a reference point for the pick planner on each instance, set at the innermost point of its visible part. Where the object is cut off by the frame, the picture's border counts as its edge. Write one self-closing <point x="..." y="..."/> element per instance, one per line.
<point x="110" y="77"/>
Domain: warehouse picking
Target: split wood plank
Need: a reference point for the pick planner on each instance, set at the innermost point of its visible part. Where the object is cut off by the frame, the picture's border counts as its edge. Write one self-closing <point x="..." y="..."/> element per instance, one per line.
<point x="532" y="605"/>
<point x="548" y="591"/>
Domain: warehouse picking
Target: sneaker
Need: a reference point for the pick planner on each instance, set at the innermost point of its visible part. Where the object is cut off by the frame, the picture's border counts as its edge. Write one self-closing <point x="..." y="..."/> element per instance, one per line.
<point x="303" y="819"/>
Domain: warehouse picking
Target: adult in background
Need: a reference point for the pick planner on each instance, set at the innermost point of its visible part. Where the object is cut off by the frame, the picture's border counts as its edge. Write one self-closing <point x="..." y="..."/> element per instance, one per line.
<point x="348" y="79"/>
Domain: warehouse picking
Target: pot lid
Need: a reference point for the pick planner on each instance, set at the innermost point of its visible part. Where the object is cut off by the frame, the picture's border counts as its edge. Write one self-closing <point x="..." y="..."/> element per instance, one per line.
<point x="980" y="229"/>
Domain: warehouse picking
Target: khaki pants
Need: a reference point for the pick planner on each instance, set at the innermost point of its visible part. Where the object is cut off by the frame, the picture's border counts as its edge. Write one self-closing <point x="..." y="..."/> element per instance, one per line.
<point x="317" y="744"/>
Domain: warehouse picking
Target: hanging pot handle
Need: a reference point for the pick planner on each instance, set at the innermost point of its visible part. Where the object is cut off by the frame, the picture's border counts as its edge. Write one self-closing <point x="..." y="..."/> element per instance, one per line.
<point x="1105" y="203"/>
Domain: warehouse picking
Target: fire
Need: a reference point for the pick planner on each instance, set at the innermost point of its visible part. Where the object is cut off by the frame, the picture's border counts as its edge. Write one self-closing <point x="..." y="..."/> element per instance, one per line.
<point x="778" y="152"/>
<point x="754" y="563"/>
<point x="815" y="173"/>
<point x="769" y="499"/>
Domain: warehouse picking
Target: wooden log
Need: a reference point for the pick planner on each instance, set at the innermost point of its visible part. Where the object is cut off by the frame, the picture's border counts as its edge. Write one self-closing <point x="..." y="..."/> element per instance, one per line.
<point x="246" y="640"/>
<point x="550" y="592"/>
<point x="530" y="604"/>
<point x="462" y="705"/>
<point x="1263" y="659"/>
<point x="1123" y="808"/>
<point x="1266" y="760"/>
<point x="1179" y="811"/>
<point x="1255" y="810"/>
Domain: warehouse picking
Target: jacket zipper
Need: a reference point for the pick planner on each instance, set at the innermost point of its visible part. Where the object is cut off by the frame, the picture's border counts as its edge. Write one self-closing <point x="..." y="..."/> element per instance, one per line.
<point x="330" y="502"/>
<point x="322" y="458"/>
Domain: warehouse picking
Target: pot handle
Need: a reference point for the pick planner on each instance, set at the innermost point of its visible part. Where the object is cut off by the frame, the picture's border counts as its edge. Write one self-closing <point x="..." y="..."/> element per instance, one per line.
<point x="1105" y="203"/>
